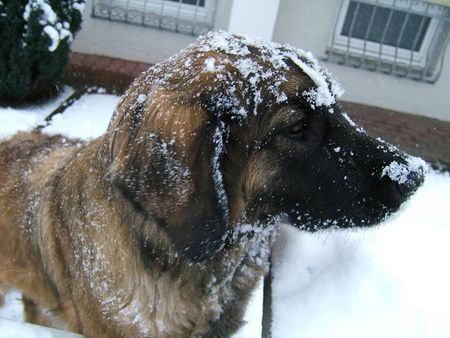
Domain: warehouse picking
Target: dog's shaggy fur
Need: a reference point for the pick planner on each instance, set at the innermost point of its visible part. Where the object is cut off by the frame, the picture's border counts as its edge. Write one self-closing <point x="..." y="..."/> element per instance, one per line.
<point x="163" y="226"/>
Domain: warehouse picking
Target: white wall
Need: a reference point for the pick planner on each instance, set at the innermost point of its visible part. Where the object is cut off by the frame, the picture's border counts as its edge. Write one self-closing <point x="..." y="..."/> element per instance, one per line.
<point x="146" y="44"/>
<point x="130" y="42"/>
<point x="255" y="17"/>
<point x="308" y="24"/>
<point x="120" y="40"/>
<point x="223" y="14"/>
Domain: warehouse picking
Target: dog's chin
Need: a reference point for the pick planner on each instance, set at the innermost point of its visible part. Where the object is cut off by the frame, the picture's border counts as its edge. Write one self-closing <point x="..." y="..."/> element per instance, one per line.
<point x="340" y="222"/>
<point x="383" y="205"/>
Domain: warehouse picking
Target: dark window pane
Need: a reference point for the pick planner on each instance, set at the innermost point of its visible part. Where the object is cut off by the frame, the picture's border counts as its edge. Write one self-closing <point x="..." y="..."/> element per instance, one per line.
<point x="380" y="21"/>
<point x="355" y="24"/>
<point x="201" y="3"/>
<point x="387" y="22"/>
<point x="394" y="28"/>
<point x="417" y="24"/>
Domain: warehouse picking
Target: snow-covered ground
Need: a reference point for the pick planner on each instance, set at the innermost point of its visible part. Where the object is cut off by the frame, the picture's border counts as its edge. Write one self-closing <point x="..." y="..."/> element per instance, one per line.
<point x="388" y="281"/>
<point x="26" y="118"/>
<point x="392" y="281"/>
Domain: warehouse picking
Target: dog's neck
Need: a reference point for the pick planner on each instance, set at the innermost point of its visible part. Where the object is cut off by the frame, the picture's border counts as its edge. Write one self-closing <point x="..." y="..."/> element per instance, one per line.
<point x="245" y="244"/>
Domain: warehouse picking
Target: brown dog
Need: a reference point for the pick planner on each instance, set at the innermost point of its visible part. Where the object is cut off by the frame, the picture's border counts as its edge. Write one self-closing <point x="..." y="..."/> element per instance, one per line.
<point x="163" y="226"/>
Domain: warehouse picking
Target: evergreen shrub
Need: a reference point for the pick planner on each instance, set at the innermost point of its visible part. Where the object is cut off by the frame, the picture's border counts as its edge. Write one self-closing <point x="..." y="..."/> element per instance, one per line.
<point x="35" y="38"/>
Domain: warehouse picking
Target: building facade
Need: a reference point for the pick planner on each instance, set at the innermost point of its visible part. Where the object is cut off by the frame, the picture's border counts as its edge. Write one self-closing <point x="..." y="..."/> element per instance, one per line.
<point x="386" y="53"/>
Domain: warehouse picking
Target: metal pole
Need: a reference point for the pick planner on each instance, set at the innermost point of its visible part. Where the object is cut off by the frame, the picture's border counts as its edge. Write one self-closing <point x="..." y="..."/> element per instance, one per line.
<point x="267" y="304"/>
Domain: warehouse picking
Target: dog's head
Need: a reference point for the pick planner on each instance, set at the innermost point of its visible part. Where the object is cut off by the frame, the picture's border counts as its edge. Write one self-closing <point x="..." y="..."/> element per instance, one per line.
<point x="236" y="130"/>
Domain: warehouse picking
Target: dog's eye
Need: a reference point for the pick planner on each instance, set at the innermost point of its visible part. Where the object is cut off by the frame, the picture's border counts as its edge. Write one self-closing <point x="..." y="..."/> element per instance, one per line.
<point x="297" y="129"/>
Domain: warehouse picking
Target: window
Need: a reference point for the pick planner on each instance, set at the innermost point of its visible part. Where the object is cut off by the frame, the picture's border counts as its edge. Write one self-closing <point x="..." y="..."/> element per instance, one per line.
<point x="186" y="16"/>
<point x="403" y="37"/>
<point x="191" y="2"/>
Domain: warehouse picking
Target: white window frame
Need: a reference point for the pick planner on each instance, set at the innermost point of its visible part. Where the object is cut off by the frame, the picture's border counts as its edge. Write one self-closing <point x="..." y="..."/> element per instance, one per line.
<point x="386" y="52"/>
<point x="169" y="12"/>
<point x="177" y="9"/>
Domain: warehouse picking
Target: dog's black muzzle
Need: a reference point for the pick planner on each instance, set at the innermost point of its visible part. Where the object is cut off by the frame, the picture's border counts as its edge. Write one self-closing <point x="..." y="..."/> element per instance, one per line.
<point x="413" y="181"/>
<point x="350" y="180"/>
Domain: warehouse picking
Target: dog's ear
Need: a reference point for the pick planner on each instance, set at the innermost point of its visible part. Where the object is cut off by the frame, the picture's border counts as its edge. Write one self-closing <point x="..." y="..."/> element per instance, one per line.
<point x="166" y="156"/>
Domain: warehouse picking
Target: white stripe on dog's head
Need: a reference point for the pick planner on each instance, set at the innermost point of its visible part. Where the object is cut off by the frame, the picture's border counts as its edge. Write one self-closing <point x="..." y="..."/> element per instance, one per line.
<point x="225" y="55"/>
<point x="326" y="91"/>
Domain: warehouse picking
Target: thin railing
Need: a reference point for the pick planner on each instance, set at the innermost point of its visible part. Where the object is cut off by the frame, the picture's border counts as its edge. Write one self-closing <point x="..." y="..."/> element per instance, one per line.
<point x="181" y="16"/>
<point x="369" y="29"/>
<point x="412" y="43"/>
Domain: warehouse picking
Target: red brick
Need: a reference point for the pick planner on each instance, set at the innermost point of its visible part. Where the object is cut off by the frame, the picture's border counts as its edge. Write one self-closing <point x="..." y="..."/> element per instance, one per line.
<point x="102" y="63"/>
<point x="115" y="65"/>
<point x="141" y="67"/>
<point x="105" y="78"/>
<point x="441" y="132"/>
<point x="76" y="58"/>
<point x="90" y="61"/>
<point x="129" y="68"/>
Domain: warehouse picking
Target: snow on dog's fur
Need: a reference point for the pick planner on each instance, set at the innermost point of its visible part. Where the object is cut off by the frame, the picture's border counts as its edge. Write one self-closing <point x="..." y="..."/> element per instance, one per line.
<point x="163" y="226"/>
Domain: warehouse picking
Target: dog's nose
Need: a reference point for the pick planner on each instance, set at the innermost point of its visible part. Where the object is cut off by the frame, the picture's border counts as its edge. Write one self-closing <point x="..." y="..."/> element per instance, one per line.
<point x="413" y="181"/>
<point x="407" y="173"/>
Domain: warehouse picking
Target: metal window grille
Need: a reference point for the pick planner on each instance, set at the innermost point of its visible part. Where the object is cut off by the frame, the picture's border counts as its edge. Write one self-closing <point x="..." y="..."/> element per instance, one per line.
<point x="185" y="16"/>
<point x="402" y="37"/>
